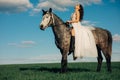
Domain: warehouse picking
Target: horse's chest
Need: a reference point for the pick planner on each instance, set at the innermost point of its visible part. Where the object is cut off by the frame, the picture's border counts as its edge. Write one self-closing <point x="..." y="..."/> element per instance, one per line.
<point x="63" y="41"/>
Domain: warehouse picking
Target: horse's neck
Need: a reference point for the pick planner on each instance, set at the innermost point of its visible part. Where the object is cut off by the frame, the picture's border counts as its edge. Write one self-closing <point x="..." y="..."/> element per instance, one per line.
<point x="61" y="32"/>
<point x="59" y="28"/>
<point x="57" y="21"/>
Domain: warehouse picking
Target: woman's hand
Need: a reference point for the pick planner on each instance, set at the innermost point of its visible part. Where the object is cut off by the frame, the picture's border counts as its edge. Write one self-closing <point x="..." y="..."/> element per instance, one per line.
<point x="69" y="21"/>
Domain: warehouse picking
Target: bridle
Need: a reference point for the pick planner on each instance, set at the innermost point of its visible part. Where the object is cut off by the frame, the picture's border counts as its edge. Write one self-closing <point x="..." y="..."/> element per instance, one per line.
<point x="50" y="19"/>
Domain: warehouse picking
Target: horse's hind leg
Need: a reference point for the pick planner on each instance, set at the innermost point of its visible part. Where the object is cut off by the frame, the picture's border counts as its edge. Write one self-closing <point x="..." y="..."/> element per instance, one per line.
<point x="99" y="58"/>
<point x="108" y="58"/>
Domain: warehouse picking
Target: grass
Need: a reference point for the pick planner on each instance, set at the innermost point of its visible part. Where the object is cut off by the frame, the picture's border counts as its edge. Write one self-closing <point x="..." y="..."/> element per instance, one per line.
<point x="76" y="71"/>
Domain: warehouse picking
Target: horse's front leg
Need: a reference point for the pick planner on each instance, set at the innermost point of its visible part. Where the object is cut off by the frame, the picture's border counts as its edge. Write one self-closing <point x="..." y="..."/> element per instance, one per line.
<point x="64" y="61"/>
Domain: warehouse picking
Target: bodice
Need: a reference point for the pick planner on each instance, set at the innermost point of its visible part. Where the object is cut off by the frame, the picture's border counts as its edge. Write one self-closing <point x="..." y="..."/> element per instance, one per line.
<point x="73" y="16"/>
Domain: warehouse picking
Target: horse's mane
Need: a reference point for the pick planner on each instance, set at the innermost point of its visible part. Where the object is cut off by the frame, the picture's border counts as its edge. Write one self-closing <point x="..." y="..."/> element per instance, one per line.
<point x="67" y="25"/>
<point x="58" y="17"/>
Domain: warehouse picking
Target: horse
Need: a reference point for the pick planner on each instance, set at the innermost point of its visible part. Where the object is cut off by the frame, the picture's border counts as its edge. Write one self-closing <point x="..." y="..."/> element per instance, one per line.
<point x="103" y="39"/>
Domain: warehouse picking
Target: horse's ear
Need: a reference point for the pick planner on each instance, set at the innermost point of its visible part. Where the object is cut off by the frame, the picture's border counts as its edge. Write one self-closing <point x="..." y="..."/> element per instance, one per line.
<point x="50" y="10"/>
<point x="43" y="11"/>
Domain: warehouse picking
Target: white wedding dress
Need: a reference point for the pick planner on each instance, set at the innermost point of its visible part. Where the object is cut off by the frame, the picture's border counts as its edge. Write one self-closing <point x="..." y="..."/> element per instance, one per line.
<point x="84" y="41"/>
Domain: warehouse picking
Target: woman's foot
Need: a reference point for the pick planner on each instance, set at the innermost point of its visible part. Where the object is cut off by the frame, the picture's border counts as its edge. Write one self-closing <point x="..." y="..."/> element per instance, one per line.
<point x="74" y="58"/>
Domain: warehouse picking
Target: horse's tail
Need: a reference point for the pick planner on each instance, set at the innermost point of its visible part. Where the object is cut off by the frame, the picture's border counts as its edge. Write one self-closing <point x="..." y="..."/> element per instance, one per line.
<point x="109" y="42"/>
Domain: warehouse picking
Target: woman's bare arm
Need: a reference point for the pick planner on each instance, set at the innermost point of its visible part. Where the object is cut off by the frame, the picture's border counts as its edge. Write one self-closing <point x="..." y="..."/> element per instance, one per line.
<point x="77" y="18"/>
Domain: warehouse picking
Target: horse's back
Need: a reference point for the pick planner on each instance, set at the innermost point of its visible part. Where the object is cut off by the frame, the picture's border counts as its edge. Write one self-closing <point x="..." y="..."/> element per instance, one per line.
<point x="102" y="36"/>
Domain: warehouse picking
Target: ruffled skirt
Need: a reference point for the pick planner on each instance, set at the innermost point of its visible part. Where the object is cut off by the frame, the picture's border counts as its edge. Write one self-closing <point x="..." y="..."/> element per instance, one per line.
<point x="84" y="42"/>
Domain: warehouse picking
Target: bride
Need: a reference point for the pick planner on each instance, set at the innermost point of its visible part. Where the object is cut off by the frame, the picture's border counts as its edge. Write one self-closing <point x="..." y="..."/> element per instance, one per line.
<point x="82" y="37"/>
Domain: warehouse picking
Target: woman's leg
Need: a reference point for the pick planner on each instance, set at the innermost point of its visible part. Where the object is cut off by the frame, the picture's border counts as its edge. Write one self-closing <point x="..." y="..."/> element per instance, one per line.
<point x="72" y="32"/>
<point x="72" y="44"/>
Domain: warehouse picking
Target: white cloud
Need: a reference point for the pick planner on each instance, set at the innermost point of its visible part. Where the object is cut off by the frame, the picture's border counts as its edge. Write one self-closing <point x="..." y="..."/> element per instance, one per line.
<point x="12" y="44"/>
<point x="61" y="5"/>
<point x="28" y="42"/>
<point x="14" y="6"/>
<point x="23" y="44"/>
<point x="88" y="23"/>
<point x="116" y="37"/>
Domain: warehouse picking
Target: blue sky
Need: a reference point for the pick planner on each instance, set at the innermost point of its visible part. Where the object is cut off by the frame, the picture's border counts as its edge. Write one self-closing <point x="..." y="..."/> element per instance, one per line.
<point x="21" y="40"/>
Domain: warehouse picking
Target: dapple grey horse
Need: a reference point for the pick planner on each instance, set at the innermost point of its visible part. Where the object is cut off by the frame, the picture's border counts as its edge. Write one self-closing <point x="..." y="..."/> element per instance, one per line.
<point x="103" y="39"/>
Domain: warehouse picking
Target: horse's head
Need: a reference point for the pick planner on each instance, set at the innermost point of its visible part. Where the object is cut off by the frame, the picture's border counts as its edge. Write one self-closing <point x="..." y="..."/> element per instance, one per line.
<point x="46" y="19"/>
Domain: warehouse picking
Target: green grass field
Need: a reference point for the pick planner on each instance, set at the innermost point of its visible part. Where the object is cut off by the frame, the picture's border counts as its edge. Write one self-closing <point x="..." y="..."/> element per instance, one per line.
<point x="76" y="71"/>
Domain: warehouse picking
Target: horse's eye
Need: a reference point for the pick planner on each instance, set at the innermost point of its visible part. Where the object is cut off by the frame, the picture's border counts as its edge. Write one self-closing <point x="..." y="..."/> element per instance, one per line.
<point x="47" y="17"/>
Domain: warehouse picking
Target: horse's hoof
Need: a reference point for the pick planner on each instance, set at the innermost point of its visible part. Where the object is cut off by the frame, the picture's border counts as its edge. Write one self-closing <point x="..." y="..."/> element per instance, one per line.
<point x="110" y="70"/>
<point x="98" y="70"/>
<point x="63" y="72"/>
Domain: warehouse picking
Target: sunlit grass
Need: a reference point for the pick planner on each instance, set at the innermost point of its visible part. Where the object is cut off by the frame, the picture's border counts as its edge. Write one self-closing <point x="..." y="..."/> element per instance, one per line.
<point x="76" y="71"/>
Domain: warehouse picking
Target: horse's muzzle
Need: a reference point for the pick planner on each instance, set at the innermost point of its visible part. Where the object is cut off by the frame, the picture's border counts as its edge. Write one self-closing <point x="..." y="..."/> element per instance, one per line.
<point x="41" y="27"/>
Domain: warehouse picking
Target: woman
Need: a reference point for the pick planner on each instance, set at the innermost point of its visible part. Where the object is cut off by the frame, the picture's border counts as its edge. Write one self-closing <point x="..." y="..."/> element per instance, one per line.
<point x="84" y="40"/>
